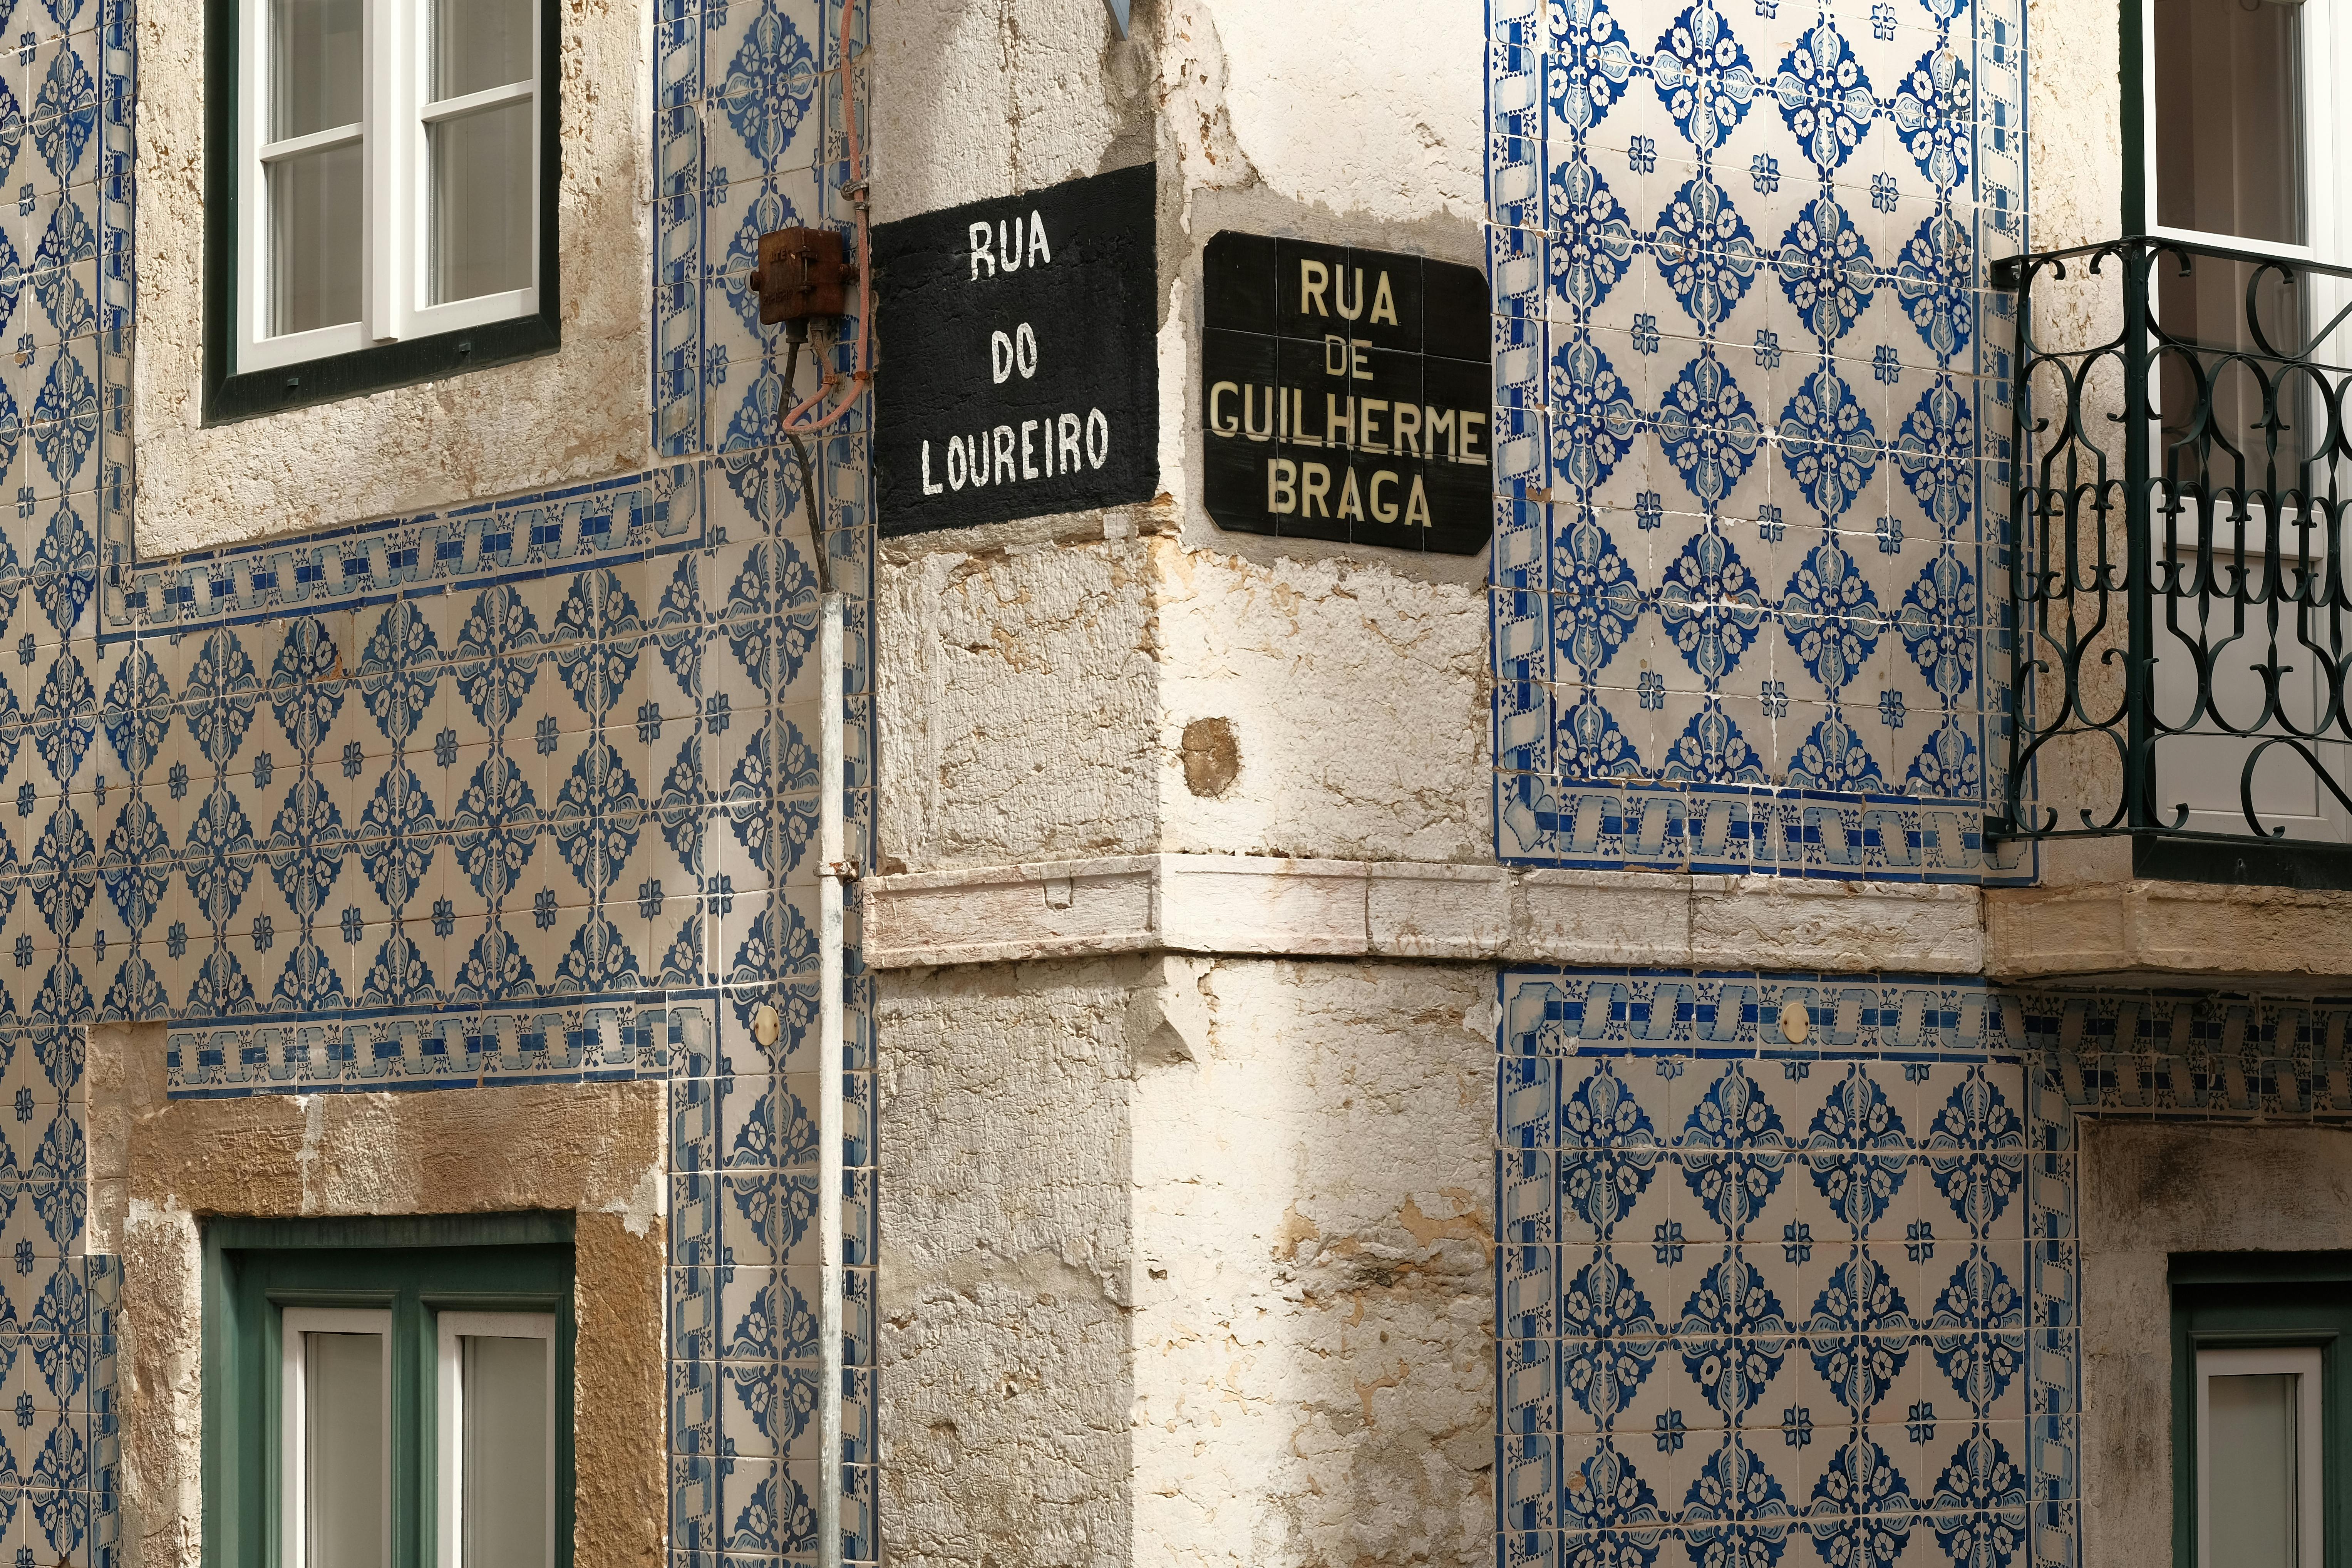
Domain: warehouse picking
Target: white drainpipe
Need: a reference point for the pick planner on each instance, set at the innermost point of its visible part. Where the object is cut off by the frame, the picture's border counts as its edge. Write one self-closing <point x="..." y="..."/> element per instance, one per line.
<point x="834" y="872"/>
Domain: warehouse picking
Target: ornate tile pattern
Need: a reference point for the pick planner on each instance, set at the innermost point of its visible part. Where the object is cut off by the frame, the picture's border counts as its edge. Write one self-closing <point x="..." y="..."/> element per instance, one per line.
<point x="522" y="791"/>
<point x="1763" y="1271"/>
<point x="1742" y="606"/>
<point x="1753" y="1291"/>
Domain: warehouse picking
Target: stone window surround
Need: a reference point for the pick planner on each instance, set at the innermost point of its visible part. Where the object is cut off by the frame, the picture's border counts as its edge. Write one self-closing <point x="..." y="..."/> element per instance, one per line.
<point x="509" y="428"/>
<point x="597" y="1150"/>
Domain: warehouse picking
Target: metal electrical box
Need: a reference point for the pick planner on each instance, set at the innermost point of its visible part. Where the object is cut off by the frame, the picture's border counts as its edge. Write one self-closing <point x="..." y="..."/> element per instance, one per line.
<point x="802" y="272"/>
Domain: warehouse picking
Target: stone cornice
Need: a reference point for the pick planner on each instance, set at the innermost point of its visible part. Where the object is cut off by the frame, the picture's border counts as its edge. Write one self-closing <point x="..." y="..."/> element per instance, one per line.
<point x="1261" y="906"/>
<point x="2135" y="931"/>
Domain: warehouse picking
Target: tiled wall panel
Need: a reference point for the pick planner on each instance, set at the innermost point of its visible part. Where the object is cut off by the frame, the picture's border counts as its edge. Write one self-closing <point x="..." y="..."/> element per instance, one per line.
<point x="1750" y="390"/>
<point x="524" y="791"/>
<point x="1761" y="1285"/>
<point x="1793" y="1259"/>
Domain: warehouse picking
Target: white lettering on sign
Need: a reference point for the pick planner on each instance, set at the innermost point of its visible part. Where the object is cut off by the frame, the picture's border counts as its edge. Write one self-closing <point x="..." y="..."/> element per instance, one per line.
<point x="1035" y="450"/>
<point x="1013" y="243"/>
<point x="1297" y="488"/>
<point x="1315" y="279"/>
<point x="1008" y="353"/>
<point x="1051" y="446"/>
<point x="1346" y="356"/>
<point x="1357" y="487"/>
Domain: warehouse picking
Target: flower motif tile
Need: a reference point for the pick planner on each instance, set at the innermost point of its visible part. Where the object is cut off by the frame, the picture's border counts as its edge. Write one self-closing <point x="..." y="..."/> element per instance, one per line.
<point x="1763" y="239"/>
<point x="516" y="792"/>
<point x="1752" y="1292"/>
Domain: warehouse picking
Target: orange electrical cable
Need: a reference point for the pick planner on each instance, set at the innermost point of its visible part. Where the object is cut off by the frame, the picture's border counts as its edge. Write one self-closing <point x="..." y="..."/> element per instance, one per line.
<point x="792" y="422"/>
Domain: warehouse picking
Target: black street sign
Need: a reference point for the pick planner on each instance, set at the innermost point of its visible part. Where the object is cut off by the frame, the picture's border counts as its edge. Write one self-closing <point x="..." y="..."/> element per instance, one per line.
<point x="1020" y="373"/>
<point x="1346" y="395"/>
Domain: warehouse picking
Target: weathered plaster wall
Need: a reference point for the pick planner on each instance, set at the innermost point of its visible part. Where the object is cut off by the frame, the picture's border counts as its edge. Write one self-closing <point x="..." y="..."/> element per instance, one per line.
<point x="1357" y="699"/>
<point x="2076" y="108"/>
<point x="1038" y="678"/>
<point x="1036" y="698"/>
<point x="158" y="1166"/>
<point x="1328" y="104"/>
<point x="2150" y="1189"/>
<point x="2074" y="105"/>
<point x="1186" y="1262"/>
<point x="580" y="413"/>
<point x="1017" y="701"/>
<point x="1315" y="1306"/>
<point x="1003" y="1288"/>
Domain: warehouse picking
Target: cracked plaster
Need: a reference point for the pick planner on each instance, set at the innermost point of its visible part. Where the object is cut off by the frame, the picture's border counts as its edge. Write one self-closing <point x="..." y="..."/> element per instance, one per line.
<point x="1216" y="1306"/>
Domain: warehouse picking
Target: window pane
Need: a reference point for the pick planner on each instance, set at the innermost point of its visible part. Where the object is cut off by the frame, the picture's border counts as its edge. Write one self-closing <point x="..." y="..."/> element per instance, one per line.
<point x="478" y="44"/>
<point x="507" y="1450"/>
<point x="314" y="65"/>
<point x="2229" y="117"/>
<point x="482" y="202"/>
<point x="2251" y="1470"/>
<point x="343" y="1457"/>
<point x="314" y="240"/>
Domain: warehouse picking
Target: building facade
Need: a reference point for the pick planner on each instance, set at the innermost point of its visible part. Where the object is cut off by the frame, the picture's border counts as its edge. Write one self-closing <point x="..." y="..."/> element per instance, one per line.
<point x="1690" y="1031"/>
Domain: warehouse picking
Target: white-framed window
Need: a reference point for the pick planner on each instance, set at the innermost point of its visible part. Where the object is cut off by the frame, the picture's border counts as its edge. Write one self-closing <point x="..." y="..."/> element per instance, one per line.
<point x="2242" y="138"/>
<point x="495" y="1473"/>
<point x="335" y="1452"/>
<point x="2240" y="127"/>
<point x="389" y="163"/>
<point x="2260" y="1496"/>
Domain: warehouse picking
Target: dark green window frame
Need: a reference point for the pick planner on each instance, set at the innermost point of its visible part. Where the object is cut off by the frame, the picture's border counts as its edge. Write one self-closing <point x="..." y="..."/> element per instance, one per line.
<point x="417" y="1267"/>
<point x="230" y="396"/>
<point x="2241" y="1301"/>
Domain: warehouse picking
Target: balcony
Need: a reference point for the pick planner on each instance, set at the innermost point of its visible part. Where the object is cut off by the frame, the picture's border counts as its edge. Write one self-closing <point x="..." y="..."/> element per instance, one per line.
<point x="2178" y="502"/>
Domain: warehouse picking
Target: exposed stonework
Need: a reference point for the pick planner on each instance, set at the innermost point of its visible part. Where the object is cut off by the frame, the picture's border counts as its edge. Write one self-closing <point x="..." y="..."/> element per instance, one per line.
<point x="2142" y="928"/>
<point x="1139" y="1306"/>
<point x="1211" y="757"/>
<point x="1402" y="909"/>
<point x="595" y="1149"/>
<point x="582" y="413"/>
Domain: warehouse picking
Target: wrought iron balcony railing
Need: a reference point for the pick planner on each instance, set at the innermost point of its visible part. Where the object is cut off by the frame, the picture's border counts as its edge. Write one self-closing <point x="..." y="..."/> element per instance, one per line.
<point x="2182" y="648"/>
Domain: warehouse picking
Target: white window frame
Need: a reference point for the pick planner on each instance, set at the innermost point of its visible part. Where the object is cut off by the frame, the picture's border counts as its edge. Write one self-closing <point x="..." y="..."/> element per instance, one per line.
<point x="449" y="1416"/>
<point x="2326" y="64"/>
<point x="2325" y="61"/>
<point x="395" y="234"/>
<point x="2304" y="1362"/>
<point x="294" y="1325"/>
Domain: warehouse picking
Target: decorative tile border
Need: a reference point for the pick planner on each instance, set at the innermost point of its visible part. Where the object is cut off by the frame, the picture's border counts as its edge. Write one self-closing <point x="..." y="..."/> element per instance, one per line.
<point x="1741" y="832"/>
<point x="1922" y="1133"/>
<point x="1747" y="374"/>
<point x="518" y="791"/>
<point x="1762" y="1273"/>
<point x="553" y="530"/>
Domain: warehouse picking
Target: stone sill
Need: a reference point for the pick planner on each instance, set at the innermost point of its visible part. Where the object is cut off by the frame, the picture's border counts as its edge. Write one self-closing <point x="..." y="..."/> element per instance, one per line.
<point x="1255" y="906"/>
<point x="2139" y="931"/>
